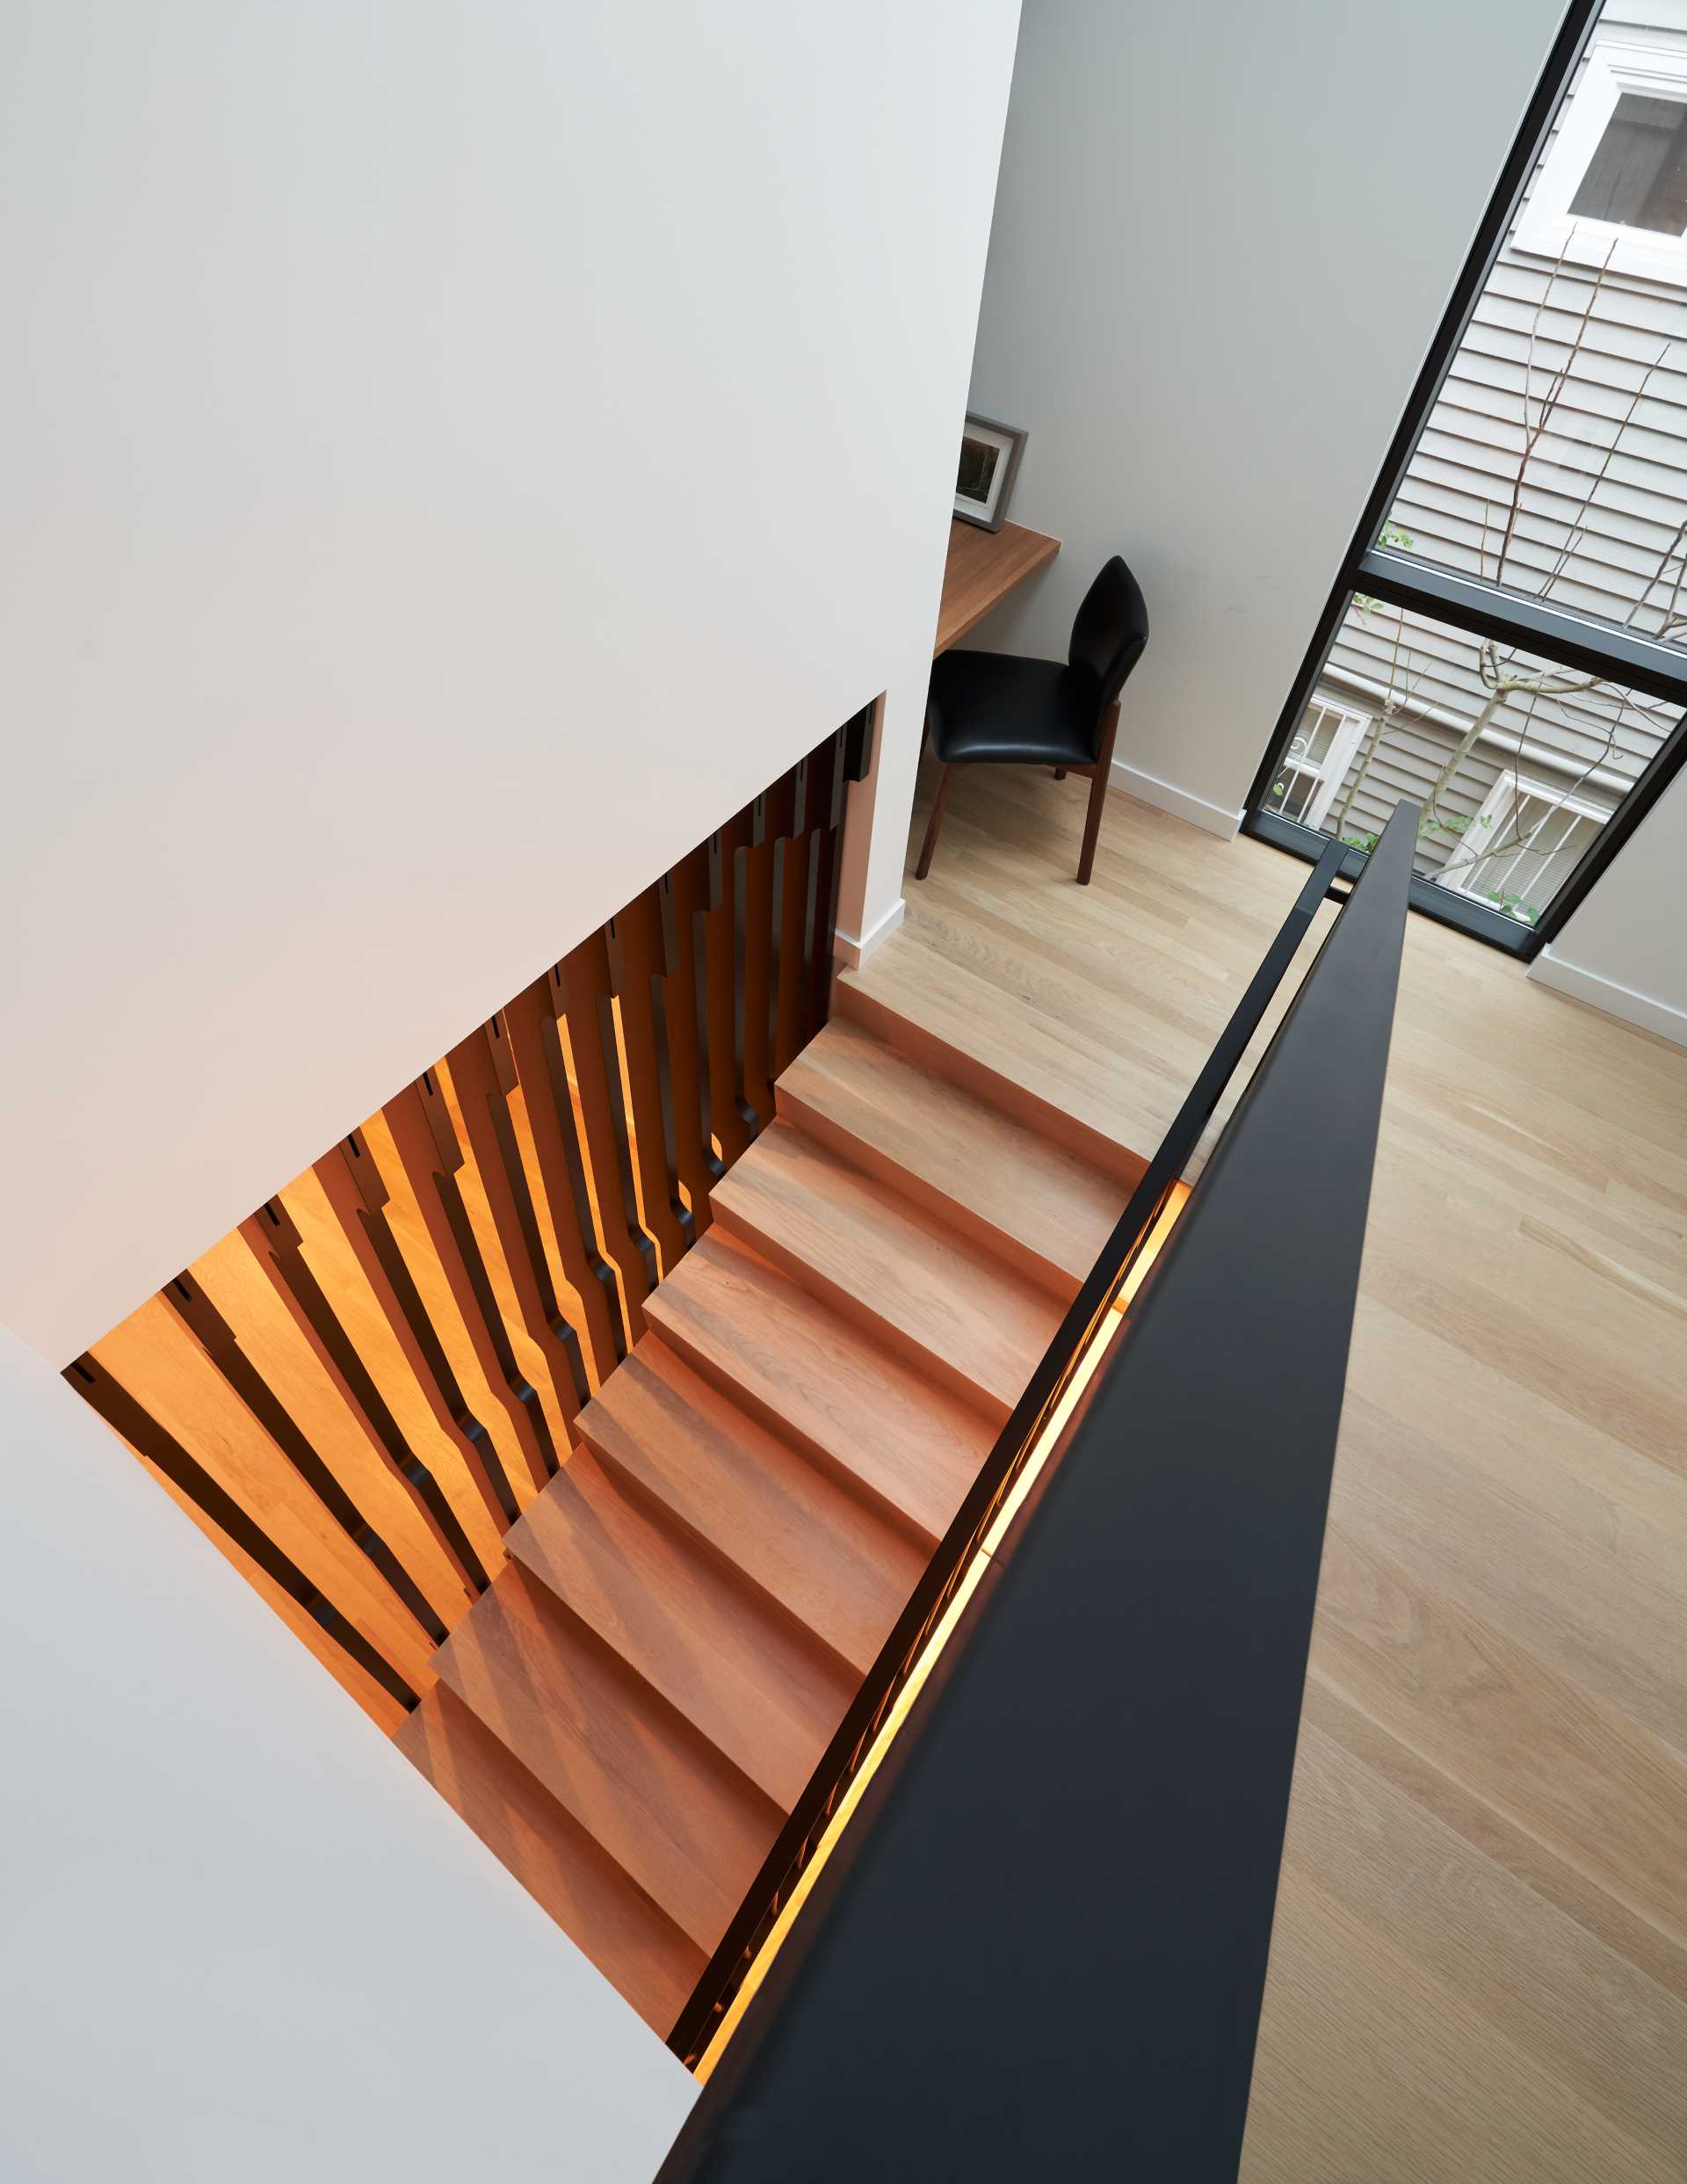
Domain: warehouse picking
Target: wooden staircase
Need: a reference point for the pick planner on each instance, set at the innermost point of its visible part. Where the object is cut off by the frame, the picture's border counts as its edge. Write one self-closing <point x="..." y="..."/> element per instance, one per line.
<point x="630" y="1712"/>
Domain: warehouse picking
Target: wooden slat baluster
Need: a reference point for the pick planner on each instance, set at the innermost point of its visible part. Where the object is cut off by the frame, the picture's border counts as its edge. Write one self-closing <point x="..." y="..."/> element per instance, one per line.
<point x="792" y="891"/>
<point x="633" y="942"/>
<point x="278" y="1582"/>
<point x="755" y="988"/>
<point x="319" y="1281"/>
<point x="404" y="1335"/>
<point x="543" y="1111"/>
<point x="684" y="900"/>
<point x="416" y="1150"/>
<point x="358" y="1199"/>
<point x="581" y="982"/>
<point x="826" y="770"/>
<point x="156" y="1357"/>
<point x="730" y="1120"/>
<point x="234" y="1279"/>
<point x="476" y="1077"/>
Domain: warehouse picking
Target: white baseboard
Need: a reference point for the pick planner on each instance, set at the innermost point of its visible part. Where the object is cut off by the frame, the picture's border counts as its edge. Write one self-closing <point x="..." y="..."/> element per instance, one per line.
<point x="1639" y="1009"/>
<point x="852" y="950"/>
<point x="1148" y="789"/>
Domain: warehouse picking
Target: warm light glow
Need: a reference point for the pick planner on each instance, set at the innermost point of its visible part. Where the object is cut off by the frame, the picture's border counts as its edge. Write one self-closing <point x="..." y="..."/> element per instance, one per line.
<point x="1151" y="1249"/>
<point x="1082" y="1372"/>
<point x="840" y="1819"/>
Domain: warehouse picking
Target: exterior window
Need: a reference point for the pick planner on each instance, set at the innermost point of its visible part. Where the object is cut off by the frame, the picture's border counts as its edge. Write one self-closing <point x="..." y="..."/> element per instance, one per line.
<point x="1316" y="759"/>
<point x="1521" y="847"/>
<point x="1612" y="189"/>
<point x="1507" y="644"/>
<point x="1638" y="178"/>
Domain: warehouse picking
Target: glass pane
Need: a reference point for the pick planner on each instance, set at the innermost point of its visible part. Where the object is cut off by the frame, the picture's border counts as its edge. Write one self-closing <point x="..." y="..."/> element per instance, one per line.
<point x="1555" y="461"/>
<point x="1291" y="791"/>
<point x="1516" y="763"/>
<point x="1298" y="795"/>
<point x="1638" y="177"/>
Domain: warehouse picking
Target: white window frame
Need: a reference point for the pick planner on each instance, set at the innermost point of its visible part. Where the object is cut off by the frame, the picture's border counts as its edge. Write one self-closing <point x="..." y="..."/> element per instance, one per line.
<point x="1495" y="810"/>
<point x="1331" y="771"/>
<point x="1546" y="227"/>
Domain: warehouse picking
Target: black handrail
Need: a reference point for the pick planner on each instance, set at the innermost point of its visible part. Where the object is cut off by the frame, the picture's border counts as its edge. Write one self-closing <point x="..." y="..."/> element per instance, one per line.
<point x="839" y="1763"/>
<point x="1039" y="1949"/>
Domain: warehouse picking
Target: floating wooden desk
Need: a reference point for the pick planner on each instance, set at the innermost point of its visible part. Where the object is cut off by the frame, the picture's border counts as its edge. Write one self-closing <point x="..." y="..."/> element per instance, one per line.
<point x="984" y="566"/>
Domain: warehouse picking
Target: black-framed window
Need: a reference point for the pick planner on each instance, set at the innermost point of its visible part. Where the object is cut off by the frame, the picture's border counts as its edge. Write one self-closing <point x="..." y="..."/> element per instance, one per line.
<point x="1507" y="639"/>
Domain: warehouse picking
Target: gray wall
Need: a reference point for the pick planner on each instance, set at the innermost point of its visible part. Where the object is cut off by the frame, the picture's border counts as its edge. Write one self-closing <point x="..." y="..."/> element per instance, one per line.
<point x="1626" y="949"/>
<point x="242" y="1941"/>
<point x="1224" y="235"/>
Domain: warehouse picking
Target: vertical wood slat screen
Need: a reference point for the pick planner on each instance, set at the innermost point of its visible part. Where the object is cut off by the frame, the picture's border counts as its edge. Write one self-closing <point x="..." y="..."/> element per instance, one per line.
<point x="356" y="1393"/>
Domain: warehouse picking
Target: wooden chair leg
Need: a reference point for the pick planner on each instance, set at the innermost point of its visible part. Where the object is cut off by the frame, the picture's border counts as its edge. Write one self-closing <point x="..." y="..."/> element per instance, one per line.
<point x="1098" y="778"/>
<point x="932" y="824"/>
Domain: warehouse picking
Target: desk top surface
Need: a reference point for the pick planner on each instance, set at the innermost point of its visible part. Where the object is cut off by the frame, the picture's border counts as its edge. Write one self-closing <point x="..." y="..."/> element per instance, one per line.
<point x="983" y="567"/>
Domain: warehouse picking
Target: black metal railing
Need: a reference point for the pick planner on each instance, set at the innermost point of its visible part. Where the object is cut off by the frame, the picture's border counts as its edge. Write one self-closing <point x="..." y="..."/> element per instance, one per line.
<point x="1039" y="1946"/>
<point x="906" y="1643"/>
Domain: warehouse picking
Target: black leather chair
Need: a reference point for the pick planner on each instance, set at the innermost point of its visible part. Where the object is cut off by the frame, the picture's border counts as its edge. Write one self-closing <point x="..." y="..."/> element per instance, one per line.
<point x="993" y="708"/>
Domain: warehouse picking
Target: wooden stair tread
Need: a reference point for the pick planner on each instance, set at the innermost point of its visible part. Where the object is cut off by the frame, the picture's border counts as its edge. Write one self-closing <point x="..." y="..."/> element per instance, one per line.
<point x="959" y="1157"/>
<point x="809" y="1372"/>
<point x="951" y="1306"/>
<point x="675" y="1816"/>
<point x="761" y="1692"/>
<point x="637" y="1947"/>
<point x="794" y="1531"/>
<point x="1106" y="1107"/>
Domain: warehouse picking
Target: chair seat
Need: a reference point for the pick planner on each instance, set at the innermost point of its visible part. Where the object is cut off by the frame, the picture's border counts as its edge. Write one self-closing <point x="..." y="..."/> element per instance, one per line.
<point x="995" y="707"/>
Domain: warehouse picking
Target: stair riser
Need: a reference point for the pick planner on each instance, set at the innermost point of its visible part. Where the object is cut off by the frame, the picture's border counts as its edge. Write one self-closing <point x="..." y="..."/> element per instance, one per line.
<point x="771" y="1734"/>
<point x="789" y="1613"/>
<point x="836" y="1298"/>
<point x="968" y="1221"/>
<point x="702" y="1358"/>
<point x="724" y="1822"/>
<point x="965" y="1069"/>
<point x="567" y="1871"/>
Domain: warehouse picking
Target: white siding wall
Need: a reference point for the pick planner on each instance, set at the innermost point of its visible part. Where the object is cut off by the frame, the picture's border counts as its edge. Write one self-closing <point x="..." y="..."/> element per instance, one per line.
<point x="1600" y="513"/>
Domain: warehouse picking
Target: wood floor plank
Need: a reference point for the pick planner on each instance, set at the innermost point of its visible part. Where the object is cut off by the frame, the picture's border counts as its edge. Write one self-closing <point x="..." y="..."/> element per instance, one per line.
<point x="1538" y="1554"/>
<point x="760" y="1690"/>
<point x="635" y="1946"/>
<point x="1431" y="2089"/>
<point x="673" y="1814"/>
<point x="882" y="1426"/>
<point x="784" y="1522"/>
<point x="1482" y="1931"/>
<point x="1602" y="1791"/>
<point x="956" y="1312"/>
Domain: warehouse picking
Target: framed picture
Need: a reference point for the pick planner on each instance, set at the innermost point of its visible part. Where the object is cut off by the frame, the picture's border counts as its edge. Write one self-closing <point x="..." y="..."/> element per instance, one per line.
<point x="989" y="456"/>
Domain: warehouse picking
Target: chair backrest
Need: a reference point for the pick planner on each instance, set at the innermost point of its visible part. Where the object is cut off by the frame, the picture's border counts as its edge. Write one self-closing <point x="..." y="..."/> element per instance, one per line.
<point x="1110" y="630"/>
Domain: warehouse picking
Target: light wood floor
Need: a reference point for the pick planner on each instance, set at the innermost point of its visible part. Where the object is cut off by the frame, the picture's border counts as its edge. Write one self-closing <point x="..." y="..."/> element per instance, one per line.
<point x="1478" y="1970"/>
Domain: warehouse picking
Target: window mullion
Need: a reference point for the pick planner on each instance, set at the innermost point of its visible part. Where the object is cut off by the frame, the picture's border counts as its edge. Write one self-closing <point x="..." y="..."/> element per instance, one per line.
<point x="1487" y="610"/>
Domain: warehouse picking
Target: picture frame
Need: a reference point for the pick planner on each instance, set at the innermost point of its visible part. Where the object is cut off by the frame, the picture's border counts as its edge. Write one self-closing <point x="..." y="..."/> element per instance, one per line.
<point x="988" y="464"/>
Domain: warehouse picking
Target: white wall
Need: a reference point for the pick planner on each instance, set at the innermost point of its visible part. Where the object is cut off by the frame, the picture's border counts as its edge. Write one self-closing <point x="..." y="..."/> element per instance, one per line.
<point x="1224" y="236"/>
<point x="454" y="454"/>
<point x="240" y="1936"/>
<point x="1626" y="949"/>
